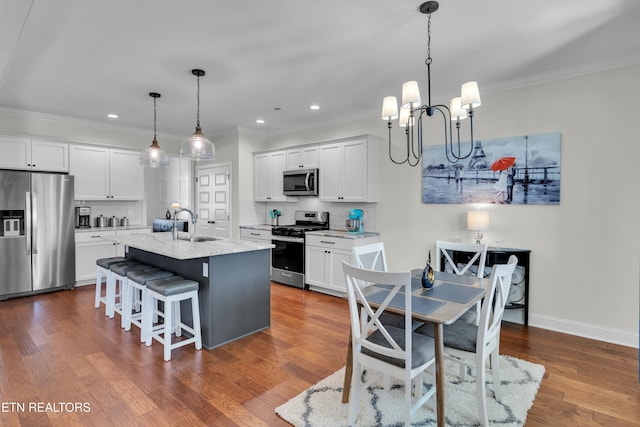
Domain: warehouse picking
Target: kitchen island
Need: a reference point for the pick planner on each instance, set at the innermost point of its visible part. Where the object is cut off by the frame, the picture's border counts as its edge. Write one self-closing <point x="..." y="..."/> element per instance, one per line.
<point x="234" y="294"/>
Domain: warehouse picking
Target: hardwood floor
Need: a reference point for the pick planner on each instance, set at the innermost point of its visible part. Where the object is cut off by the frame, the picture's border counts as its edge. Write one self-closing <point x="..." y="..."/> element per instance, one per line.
<point x="57" y="350"/>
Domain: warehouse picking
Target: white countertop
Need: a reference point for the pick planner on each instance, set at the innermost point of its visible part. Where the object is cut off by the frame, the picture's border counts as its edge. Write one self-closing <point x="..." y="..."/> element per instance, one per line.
<point x="342" y="234"/>
<point x="265" y="227"/>
<point x="118" y="228"/>
<point x="163" y="244"/>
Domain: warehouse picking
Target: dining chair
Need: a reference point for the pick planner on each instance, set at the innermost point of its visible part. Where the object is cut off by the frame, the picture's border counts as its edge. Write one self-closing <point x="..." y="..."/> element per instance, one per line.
<point x="381" y="348"/>
<point x="471" y="346"/>
<point x="476" y="257"/>
<point x="370" y="257"/>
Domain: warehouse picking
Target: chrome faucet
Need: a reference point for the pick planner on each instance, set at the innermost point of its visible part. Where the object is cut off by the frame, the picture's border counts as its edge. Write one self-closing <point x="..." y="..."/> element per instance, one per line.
<point x="175" y="219"/>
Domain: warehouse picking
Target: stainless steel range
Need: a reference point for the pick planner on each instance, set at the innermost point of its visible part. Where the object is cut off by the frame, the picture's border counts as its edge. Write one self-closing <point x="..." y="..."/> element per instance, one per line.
<point x="288" y="255"/>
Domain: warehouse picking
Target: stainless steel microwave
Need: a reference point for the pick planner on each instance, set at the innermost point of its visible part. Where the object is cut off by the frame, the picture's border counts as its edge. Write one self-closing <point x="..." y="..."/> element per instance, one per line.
<point x="301" y="182"/>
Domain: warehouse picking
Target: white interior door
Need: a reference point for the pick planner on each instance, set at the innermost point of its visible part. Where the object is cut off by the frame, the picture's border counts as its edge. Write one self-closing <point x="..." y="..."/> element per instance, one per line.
<point x="213" y="199"/>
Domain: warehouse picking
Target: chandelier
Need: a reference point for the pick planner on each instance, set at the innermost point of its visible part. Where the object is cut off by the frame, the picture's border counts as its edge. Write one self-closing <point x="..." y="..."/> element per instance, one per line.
<point x="412" y="110"/>
<point x="153" y="156"/>
<point x="197" y="146"/>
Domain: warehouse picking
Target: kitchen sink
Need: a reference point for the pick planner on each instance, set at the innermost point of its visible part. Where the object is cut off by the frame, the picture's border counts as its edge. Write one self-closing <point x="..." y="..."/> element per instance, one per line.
<point x="196" y="239"/>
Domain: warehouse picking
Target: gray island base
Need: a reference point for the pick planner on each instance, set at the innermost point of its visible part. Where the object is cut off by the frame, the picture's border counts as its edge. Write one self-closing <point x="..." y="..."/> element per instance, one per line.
<point x="234" y="294"/>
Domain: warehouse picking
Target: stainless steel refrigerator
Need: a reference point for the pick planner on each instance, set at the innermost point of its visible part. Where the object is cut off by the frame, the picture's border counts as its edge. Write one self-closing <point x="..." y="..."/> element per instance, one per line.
<point x="37" y="244"/>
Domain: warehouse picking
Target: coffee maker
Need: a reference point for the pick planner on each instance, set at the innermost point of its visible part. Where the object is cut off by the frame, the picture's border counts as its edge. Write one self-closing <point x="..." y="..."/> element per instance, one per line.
<point x="83" y="217"/>
<point x="355" y="223"/>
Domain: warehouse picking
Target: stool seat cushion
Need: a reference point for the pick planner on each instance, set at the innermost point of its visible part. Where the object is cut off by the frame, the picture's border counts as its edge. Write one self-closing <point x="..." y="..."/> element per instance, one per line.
<point x="108" y="262"/>
<point x="143" y="276"/>
<point x="173" y="285"/>
<point x="122" y="268"/>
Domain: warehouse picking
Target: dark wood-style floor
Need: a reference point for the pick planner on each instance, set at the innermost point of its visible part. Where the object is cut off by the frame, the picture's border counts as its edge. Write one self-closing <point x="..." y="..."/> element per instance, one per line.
<point x="56" y="349"/>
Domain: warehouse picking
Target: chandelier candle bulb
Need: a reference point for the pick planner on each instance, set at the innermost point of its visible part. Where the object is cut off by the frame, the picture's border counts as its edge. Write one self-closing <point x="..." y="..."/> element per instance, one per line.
<point x="470" y="96"/>
<point x="404" y="118"/>
<point x="457" y="112"/>
<point x="411" y="95"/>
<point x="390" y="108"/>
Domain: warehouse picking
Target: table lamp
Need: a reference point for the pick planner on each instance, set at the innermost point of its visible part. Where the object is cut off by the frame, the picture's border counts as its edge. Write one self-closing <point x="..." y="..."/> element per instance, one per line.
<point x="478" y="221"/>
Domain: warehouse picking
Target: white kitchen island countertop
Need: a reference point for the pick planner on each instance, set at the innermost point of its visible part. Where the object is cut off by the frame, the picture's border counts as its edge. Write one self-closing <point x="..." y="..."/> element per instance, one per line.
<point x="163" y="244"/>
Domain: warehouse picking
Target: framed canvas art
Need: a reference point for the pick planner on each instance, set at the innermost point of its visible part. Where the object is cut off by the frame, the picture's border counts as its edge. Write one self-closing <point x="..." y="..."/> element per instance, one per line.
<point x="523" y="170"/>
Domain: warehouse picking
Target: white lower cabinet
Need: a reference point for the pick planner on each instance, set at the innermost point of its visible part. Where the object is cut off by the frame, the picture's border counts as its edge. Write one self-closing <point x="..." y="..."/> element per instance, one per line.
<point x="323" y="261"/>
<point x="255" y="235"/>
<point x="93" y="245"/>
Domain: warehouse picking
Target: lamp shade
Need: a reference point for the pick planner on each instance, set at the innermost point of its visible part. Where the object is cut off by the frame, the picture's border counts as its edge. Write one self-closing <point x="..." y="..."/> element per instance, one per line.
<point x="411" y="95"/>
<point x="405" y="119"/>
<point x="457" y="112"/>
<point x="154" y="157"/>
<point x="198" y="147"/>
<point x="470" y="95"/>
<point x="389" y="108"/>
<point x="478" y="220"/>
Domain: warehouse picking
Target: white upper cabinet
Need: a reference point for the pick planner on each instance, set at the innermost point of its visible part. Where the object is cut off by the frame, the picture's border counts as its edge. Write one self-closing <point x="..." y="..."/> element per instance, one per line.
<point x="268" y="177"/>
<point x="36" y="155"/>
<point x="176" y="183"/>
<point x="349" y="171"/>
<point x="302" y="158"/>
<point x="106" y="174"/>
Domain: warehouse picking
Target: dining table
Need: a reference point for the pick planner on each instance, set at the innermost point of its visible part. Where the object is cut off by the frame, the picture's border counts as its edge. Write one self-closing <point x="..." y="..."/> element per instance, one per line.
<point x="450" y="297"/>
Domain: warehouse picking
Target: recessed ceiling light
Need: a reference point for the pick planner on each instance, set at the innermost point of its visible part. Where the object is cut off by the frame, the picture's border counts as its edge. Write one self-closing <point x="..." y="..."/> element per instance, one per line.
<point x="315" y="107"/>
<point x="112" y="116"/>
<point x="260" y="121"/>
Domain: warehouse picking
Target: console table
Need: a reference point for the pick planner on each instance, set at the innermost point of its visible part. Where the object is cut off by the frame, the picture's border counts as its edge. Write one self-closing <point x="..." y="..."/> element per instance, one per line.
<point x="501" y="256"/>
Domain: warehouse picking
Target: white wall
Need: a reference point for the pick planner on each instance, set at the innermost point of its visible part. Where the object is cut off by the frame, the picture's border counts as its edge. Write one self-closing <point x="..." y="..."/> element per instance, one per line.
<point x="585" y="251"/>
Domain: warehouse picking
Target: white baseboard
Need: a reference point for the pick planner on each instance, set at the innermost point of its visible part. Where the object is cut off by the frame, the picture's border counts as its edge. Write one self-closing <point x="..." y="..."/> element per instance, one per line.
<point x="614" y="336"/>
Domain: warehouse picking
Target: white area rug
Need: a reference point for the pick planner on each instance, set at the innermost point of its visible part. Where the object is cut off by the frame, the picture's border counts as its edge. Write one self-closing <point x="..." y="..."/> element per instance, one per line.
<point x="321" y="404"/>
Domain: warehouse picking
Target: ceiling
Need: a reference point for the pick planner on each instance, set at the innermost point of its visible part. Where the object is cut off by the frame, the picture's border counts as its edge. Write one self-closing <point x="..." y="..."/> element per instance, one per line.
<point x="272" y="59"/>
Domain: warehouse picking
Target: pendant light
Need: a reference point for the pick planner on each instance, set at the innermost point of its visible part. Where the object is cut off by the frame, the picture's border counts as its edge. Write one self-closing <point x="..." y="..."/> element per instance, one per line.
<point x="198" y="147"/>
<point x="153" y="156"/>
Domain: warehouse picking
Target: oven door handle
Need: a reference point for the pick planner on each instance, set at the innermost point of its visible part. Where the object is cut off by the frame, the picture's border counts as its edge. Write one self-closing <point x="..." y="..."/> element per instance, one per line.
<point x="287" y="239"/>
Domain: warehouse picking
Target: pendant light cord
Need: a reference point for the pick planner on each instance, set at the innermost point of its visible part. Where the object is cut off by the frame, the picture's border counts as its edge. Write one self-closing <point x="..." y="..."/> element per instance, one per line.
<point x="198" y="112"/>
<point x="154" y="119"/>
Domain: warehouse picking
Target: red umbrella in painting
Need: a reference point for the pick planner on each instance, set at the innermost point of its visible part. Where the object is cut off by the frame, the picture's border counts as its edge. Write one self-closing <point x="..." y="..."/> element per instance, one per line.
<point x="503" y="163"/>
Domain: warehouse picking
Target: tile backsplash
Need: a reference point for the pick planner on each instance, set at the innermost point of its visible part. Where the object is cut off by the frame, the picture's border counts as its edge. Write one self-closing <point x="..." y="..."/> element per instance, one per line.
<point x="252" y="213"/>
<point x="133" y="210"/>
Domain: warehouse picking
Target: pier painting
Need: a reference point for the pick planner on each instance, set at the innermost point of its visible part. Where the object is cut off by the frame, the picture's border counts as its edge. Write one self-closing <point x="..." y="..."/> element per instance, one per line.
<point x="522" y="170"/>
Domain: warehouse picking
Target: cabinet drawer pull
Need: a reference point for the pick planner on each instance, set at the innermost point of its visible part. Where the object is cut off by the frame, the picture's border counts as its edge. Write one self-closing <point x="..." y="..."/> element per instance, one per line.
<point x="327" y="242"/>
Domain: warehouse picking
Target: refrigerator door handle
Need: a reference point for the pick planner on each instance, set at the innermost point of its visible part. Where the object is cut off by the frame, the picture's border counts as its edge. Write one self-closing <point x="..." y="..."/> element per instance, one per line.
<point x="34" y="223"/>
<point x="27" y="225"/>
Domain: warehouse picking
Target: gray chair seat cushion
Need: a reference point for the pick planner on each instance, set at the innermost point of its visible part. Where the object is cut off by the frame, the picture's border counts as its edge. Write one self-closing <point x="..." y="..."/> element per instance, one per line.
<point x="172" y="285"/>
<point x="422" y="350"/>
<point x="460" y="335"/>
<point x="397" y="320"/>
<point x="143" y="276"/>
<point x="122" y="268"/>
<point x="108" y="262"/>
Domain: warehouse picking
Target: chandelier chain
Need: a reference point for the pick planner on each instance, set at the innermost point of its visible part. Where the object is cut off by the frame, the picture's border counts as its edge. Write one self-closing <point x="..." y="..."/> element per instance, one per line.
<point x="428" y="61"/>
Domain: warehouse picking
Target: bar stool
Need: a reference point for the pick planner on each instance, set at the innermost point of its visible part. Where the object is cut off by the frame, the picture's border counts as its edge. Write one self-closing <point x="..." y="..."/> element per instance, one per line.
<point x="118" y="273"/>
<point x="171" y="291"/>
<point x="137" y="281"/>
<point x="103" y="269"/>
